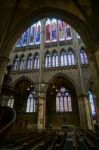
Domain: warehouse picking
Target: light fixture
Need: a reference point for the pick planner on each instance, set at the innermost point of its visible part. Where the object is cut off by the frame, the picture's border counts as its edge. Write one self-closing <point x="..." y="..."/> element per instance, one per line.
<point x="42" y="83"/>
<point x="28" y="89"/>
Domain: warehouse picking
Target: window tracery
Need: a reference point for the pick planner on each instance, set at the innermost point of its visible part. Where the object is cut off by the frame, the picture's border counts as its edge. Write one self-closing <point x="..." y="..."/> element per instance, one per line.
<point x="83" y="56"/>
<point x="11" y="102"/>
<point x="31" y="103"/>
<point x="63" y="101"/>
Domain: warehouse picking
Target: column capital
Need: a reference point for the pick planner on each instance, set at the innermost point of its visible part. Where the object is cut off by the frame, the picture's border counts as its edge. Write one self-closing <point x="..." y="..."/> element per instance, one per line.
<point x="82" y="96"/>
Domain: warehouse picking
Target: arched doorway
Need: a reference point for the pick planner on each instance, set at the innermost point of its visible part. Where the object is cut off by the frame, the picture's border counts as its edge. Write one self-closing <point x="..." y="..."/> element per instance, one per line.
<point x="61" y="104"/>
<point x="25" y="104"/>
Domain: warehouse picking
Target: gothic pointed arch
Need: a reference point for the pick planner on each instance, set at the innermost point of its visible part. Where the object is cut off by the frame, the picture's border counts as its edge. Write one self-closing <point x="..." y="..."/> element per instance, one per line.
<point x="23" y="78"/>
<point x="22" y="62"/>
<point x="36" y="61"/>
<point x="29" y="61"/>
<point x="61" y="100"/>
<point x="15" y="65"/>
<point x="47" y="59"/>
<point x="63" y="57"/>
<point x="55" y="59"/>
<point x="71" y="56"/>
<point x="83" y="55"/>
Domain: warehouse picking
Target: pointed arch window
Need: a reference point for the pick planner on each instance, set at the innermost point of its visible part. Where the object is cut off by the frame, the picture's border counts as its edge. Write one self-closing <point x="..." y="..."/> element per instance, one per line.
<point x="63" y="101"/>
<point x="92" y="102"/>
<point x="32" y="32"/>
<point x="11" y="102"/>
<point x="61" y="30"/>
<point x="19" y="42"/>
<point x="63" y="58"/>
<point x="16" y="63"/>
<point x="83" y="56"/>
<point x="31" y="103"/>
<point x="68" y="32"/>
<point x="48" y="31"/>
<point x="54" y="30"/>
<point x="25" y="37"/>
<point x="36" y="61"/>
<point x="30" y="62"/>
<point x="38" y="32"/>
<point x="22" y="62"/>
<point x="47" y="60"/>
<point x="71" y="57"/>
<point x="55" y="59"/>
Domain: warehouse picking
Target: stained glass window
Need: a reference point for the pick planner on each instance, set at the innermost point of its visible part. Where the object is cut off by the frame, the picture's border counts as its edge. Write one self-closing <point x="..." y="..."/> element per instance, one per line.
<point x="71" y="57"/>
<point x="63" y="58"/>
<point x="83" y="56"/>
<point x="55" y="59"/>
<point x="47" y="60"/>
<point x="38" y="32"/>
<point x="22" y="62"/>
<point x="48" y="30"/>
<point x="54" y="30"/>
<point x="16" y="63"/>
<point x="32" y="33"/>
<point x="36" y="61"/>
<point x="31" y="103"/>
<point x="19" y="42"/>
<point x="68" y="32"/>
<point x="61" y="30"/>
<point x="30" y="62"/>
<point x="63" y="101"/>
<point x="25" y="37"/>
<point x="92" y="103"/>
<point x="11" y="102"/>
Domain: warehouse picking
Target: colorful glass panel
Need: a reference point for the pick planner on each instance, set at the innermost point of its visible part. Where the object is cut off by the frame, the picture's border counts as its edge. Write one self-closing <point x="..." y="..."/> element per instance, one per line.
<point x="68" y="32"/>
<point x="38" y="32"/>
<point x="61" y="30"/>
<point x="32" y="32"/>
<point x="54" y="30"/>
<point x="48" y="30"/>
<point x="25" y="38"/>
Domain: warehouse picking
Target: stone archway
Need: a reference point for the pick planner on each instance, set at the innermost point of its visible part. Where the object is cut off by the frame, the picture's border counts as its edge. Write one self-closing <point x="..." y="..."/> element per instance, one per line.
<point x="19" y="26"/>
<point x="62" y="116"/>
<point x="23" y="14"/>
<point x="25" y="119"/>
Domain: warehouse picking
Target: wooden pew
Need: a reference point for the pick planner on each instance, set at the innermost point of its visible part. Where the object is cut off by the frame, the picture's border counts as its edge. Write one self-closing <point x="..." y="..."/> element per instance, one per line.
<point x="89" y="142"/>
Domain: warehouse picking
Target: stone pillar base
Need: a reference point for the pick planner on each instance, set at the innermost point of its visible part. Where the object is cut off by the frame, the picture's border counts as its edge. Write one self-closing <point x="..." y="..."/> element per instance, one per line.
<point x="85" y="112"/>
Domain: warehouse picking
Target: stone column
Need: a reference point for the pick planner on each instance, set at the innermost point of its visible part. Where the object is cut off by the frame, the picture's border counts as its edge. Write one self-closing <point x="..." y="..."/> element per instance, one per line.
<point x="83" y="101"/>
<point x="97" y="59"/>
<point x="97" y="84"/>
<point x="41" y="111"/>
<point x="94" y="64"/>
<point x="85" y="112"/>
<point x="3" y="67"/>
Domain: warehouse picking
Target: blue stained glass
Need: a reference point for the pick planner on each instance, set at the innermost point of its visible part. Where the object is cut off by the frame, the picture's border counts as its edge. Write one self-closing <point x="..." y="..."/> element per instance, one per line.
<point x="38" y="29"/>
<point x="54" y="36"/>
<point x="61" y="30"/>
<point x="68" y="32"/>
<point x="54" y="29"/>
<point x="25" y="38"/>
<point x="38" y="37"/>
<point x="91" y="98"/>
<point x="19" y="42"/>
<point x="32" y="34"/>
